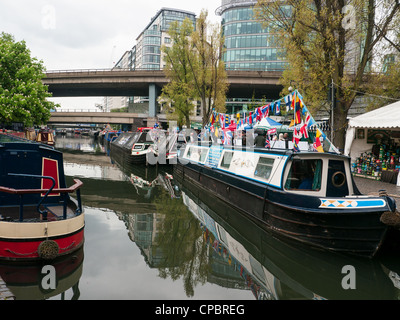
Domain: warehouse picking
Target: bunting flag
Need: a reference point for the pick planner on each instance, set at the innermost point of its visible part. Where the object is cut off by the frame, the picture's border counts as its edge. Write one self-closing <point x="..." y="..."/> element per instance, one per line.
<point x="212" y="117"/>
<point x="222" y="121"/>
<point x="227" y="137"/>
<point x="259" y="114"/>
<point x="278" y="108"/>
<point x="288" y="102"/>
<point x="302" y="120"/>
<point x="296" y="136"/>
<point x="317" y="144"/>
<point x="297" y="110"/>
<point x="227" y="121"/>
<point x="304" y="126"/>
<point x="265" y="111"/>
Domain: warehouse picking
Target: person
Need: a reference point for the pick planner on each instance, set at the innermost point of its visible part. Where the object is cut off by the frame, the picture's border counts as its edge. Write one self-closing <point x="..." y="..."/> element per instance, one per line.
<point x="286" y="138"/>
<point x="260" y="140"/>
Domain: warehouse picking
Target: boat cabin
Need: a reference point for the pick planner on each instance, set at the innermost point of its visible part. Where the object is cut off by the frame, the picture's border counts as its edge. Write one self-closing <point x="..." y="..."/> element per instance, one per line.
<point x="306" y="173"/>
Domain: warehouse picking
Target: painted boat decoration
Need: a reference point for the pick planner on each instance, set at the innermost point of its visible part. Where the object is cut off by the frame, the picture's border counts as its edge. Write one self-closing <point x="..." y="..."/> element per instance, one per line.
<point x="302" y="190"/>
<point x="133" y="147"/>
<point x="38" y="217"/>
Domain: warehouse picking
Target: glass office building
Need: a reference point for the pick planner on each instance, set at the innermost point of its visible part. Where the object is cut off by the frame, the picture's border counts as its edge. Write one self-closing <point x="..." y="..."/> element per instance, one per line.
<point x="148" y="54"/>
<point x="249" y="46"/>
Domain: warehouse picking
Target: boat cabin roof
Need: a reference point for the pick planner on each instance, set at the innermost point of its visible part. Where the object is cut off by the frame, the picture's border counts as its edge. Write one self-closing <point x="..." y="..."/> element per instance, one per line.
<point x="308" y="173"/>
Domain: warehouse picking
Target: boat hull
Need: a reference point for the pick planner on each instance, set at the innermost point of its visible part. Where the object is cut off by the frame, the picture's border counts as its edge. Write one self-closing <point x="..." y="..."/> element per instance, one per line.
<point x="356" y="231"/>
<point x="41" y="240"/>
<point x="125" y="155"/>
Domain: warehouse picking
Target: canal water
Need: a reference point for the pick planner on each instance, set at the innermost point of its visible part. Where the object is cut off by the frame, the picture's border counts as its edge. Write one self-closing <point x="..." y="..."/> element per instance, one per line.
<point x="149" y="236"/>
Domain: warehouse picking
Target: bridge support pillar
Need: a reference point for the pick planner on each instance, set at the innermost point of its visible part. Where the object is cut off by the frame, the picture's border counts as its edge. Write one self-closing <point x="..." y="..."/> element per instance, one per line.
<point x="153" y="95"/>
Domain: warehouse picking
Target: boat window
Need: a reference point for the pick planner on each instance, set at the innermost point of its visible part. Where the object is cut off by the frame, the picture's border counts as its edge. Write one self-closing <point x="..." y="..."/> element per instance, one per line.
<point x="304" y="174"/>
<point x="197" y="154"/>
<point x="227" y="159"/>
<point x="264" y="167"/>
<point x="337" y="182"/>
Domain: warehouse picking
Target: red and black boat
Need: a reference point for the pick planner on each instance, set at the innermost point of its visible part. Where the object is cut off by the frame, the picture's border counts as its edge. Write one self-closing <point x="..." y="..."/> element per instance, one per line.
<point x="38" y="217"/>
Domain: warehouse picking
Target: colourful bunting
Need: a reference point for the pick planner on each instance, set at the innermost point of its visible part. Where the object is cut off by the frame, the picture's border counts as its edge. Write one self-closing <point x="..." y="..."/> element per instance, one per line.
<point x="302" y="120"/>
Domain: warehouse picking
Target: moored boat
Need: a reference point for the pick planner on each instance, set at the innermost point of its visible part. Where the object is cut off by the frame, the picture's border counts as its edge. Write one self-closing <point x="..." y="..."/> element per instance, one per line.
<point x="38" y="217"/>
<point x="309" y="197"/>
<point x="45" y="136"/>
<point x="165" y="151"/>
<point x="301" y="189"/>
<point x="133" y="147"/>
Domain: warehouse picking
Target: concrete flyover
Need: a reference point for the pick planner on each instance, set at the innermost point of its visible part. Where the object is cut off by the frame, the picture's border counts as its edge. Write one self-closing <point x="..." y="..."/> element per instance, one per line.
<point x="97" y="118"/>
<point x="124" y="82"/>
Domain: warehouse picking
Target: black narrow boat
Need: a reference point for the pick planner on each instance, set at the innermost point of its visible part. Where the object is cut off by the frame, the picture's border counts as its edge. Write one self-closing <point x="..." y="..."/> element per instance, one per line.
<point x="133" y="147"/>
<point x="326" y="210"/>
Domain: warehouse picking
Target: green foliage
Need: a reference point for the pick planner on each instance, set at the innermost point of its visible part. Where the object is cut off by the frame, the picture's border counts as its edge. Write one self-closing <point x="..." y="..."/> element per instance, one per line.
<point x="22" y="93"/>
<point x="179" y="92"/>
<point x="326" y="41"/>
<point x="195" y="68"/>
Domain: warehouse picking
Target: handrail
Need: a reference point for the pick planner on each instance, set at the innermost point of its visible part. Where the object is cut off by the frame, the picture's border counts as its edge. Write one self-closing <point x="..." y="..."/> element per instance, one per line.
<point x="21" y="192"/>
<point x="71" y="189"/>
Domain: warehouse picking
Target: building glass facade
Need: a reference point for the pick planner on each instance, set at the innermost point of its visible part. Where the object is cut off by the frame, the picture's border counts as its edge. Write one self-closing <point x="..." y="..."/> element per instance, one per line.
<point x="249" y="45"/>
<point x="149" y="42"/>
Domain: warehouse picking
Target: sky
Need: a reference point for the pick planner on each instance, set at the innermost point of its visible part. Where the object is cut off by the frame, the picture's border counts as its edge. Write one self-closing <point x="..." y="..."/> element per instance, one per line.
<point x="85" y="34"/>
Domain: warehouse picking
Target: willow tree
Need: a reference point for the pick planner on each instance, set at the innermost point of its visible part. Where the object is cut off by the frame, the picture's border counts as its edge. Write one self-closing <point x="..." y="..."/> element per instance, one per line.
<point x="195" y="68"/>
<point x="329" y="41"/>
<point x="23" y="96"/>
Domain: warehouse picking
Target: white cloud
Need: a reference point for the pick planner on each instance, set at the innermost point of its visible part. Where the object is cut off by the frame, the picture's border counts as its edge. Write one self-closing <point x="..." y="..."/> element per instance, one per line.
<point x="85" y="34"/>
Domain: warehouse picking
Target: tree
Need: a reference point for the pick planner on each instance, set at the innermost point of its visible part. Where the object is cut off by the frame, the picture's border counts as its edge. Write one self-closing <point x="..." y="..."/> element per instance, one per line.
<point x="210" y="77"/>
<point x="329" y="41"/>
<point x="179" y="91"/>
<point x="195" y="68"/>
<point x="385" y="85"/>
<point x="22" y="93"/>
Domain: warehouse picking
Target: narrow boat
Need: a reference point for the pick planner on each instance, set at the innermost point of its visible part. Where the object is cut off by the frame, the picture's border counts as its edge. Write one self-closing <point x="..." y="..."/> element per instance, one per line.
<point x="45" y="136"/>
<point x="307" y="196"/>
<point x="165" y="151"/>
<point x="38" y="217"/>
<point x="133" y="147"/>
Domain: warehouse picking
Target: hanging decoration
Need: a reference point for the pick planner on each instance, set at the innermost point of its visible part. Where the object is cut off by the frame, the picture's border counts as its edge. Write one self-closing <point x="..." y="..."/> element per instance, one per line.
<point x="301" y="123"/>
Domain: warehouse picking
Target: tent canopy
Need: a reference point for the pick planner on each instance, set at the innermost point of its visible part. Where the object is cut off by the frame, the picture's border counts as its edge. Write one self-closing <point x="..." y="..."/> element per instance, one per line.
<point x="267" y="122"/>
<point x="385" y="117"/>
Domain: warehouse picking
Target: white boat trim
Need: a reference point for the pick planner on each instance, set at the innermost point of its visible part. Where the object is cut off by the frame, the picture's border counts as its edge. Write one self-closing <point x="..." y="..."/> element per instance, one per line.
<point x="22" y="230"/>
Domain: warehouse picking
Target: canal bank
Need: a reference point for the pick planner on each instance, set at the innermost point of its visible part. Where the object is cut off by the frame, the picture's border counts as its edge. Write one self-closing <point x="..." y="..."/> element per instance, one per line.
<point x="372" y="187"/>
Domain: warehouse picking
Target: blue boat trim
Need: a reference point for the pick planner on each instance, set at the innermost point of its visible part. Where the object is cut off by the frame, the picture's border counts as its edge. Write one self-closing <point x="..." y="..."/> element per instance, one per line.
<point x="352" y="203"/>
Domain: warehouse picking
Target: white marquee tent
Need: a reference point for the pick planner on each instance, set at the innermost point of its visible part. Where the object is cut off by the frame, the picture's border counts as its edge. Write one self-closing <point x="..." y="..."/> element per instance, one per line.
<point x="385" y="118"/>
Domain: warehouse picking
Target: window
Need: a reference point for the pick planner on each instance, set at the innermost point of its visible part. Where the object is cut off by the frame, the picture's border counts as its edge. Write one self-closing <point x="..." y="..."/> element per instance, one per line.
<point x="264" y="167"/>
<point x="304" y="175"/>
<point x="227" y="159"/>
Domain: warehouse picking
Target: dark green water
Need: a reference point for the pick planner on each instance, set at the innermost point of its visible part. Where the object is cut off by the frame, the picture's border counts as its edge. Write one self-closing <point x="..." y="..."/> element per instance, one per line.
<point x="149" y="236"/>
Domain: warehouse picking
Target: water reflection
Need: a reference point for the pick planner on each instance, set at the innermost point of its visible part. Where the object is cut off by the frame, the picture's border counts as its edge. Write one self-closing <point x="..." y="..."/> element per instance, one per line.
<point x="27" y="282"/>
<point x="148" y="236"/>
<point x="274" y="269"/>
